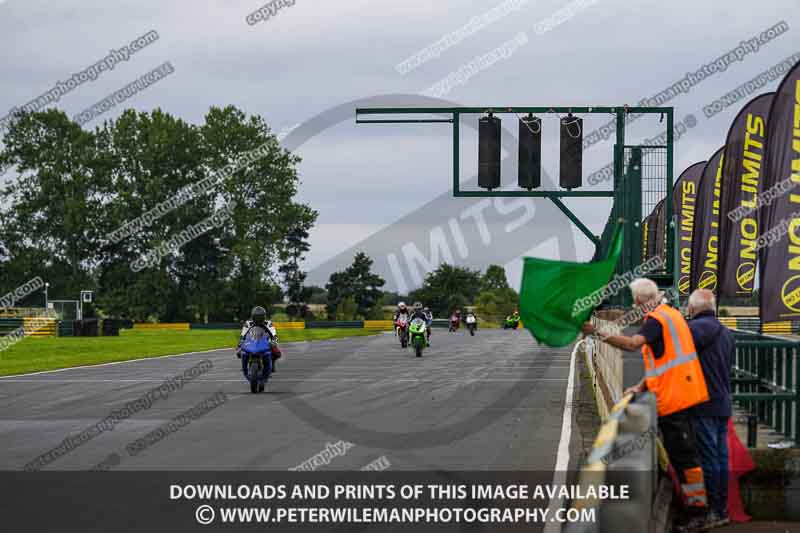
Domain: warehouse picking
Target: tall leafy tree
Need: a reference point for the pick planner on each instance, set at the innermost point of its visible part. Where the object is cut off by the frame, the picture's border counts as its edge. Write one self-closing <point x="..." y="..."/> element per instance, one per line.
<point x="76" y="187"/>
<point x="150" y="157"/>
<point x="293" y="276"/>
<point x="264" y="192"/>
<point x="49" y="225"/>
<point x="448" y="288"/>
<point x="357" y="282"/>
<point x="494" y="278"/>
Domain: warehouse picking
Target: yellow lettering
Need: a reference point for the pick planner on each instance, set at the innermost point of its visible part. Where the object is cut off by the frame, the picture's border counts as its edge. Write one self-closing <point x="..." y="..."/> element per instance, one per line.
<point x="755" y="124"/>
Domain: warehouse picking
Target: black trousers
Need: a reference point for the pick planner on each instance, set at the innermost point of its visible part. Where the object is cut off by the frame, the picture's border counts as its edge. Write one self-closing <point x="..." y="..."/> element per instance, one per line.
<point x="677" y="435"/>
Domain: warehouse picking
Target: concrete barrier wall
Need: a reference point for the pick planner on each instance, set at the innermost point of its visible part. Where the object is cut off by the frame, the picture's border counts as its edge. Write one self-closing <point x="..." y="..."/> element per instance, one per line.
<point x="626" y="451"/>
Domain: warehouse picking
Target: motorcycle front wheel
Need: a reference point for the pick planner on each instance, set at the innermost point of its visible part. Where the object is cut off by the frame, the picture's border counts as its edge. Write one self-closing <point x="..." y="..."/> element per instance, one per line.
<point x="254" y="372"/>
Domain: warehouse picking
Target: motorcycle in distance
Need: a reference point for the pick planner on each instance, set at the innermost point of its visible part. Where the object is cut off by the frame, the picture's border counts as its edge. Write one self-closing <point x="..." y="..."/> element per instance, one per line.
<point x="512" y="322"/>
<point x="455" y="321"/>
<point x="256" y="348"/>
<point x="472" y="324"/>
<point x="418" y="329"/>
<point x="402" y="331"/>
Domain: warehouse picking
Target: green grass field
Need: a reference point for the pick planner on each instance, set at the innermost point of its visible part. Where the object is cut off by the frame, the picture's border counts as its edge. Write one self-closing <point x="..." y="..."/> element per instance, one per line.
<point x="34" y="354"/>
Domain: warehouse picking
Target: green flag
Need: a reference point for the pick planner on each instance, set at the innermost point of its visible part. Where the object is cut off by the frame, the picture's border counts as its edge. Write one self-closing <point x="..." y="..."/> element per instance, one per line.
<point x="551" y="289"/>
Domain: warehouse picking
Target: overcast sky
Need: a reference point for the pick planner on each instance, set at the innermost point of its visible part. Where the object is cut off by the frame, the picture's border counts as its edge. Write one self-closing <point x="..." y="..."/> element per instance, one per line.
<point x="313" y="56"/>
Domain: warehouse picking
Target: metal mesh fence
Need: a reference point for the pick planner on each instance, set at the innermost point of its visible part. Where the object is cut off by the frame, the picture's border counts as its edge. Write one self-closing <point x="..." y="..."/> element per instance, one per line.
<point x="66" y="309"/>
<point x="654" y="220"/>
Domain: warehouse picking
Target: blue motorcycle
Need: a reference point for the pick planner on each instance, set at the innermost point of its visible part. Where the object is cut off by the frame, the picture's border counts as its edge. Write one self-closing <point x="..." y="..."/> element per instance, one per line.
<point x="256" y="353"/>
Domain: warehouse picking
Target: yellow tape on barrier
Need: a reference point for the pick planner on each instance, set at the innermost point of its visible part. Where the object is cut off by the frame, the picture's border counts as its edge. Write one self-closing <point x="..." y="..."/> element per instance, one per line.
<point x="289" y="325"/>
<point x="387" y="325"/>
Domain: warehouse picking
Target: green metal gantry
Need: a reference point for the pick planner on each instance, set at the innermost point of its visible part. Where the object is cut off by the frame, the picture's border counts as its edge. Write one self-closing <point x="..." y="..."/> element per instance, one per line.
<point x="627" y="190"/>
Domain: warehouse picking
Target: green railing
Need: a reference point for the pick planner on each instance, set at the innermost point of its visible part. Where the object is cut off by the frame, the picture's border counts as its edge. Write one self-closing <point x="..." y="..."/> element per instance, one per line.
<point x="766" y="381"/>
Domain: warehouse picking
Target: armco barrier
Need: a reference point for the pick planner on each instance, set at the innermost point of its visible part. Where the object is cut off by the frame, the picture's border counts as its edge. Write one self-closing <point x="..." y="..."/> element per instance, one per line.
<point x="238" y="325"/>
<point x="385" y="325"/>
<point x="7" y="325"/>
<point x="216" y="325"/>
<point x="290" y="325"/>
<point x="626" y="449"/>
<point x="182" y="326"/>
<point x="66" y="328"/>
<point x="356" y="324"/>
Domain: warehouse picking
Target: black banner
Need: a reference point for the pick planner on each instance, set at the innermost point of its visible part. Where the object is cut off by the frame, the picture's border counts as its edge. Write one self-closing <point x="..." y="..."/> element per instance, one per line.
<point x="684" y="205"/>
<point x="779" y="242"/>
<point x="649" y="236"/>
<point x="740" y="185"/>
<point x="661" y="233"/>
<point x="705" y="253"/>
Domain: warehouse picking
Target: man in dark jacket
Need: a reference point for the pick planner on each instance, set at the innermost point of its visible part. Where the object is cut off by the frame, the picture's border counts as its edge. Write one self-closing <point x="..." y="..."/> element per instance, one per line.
<point x="714" y="344"/>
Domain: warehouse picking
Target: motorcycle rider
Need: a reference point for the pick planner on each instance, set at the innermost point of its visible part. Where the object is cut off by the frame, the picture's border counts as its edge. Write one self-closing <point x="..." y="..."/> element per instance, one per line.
<point x="258" y="318"/>
<point x="512" y="321"/>
<point x="402" y="312"/>
<point x="428" y="321"/>
<point x="455" y="319"/>
<point x="471" y="319"/>
<point x="419" y="313"/>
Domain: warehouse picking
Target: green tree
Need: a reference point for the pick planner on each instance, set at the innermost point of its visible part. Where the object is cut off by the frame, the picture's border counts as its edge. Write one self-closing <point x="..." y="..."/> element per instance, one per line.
<point x="293" y="277"/>
<point x="49" y="222"/>
<point x="356" y="281"/>
<point x="497" y="303"/>
<point x="263" y="191"/>
<point x="448" y="288"/>
<point x="317" y="295"/>
<point x="76" y="187"/>
<point x="495" y="278"/>
<point x="347" y="309"/>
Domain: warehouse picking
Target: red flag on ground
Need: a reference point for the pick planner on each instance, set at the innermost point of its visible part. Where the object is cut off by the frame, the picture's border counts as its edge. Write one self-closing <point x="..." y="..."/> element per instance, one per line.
<point x="739" y="463"/>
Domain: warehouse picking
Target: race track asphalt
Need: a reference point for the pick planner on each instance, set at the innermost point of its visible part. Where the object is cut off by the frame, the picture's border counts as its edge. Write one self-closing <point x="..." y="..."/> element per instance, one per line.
<point x="490" y="402"/>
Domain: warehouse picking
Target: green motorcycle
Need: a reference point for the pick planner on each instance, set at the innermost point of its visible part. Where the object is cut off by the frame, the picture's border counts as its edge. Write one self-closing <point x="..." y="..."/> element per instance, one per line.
<point x="512" y="322"/>
<point x="417" y="330"/>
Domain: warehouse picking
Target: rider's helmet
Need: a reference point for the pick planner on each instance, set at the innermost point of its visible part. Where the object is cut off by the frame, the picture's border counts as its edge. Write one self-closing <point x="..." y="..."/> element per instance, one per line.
<point x="417" y="306"/>
<point x="427" y="309"/>
<point x="258" y="315"/>
<point x="401" y="306"/>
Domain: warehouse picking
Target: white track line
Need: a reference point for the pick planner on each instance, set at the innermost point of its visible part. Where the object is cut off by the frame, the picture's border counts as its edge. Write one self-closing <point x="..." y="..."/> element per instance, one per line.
<point x="562" y="456"/>
<point x="109" y="364"/>
<point x="158" y="357"/>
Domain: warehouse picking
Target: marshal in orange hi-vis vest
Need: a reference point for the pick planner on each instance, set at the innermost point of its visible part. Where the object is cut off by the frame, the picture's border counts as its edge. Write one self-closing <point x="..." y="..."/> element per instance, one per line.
<point x="676" y="378"/>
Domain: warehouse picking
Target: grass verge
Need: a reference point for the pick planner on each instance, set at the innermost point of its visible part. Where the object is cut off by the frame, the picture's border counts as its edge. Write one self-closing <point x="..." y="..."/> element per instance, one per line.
<point x="34" y="354"/>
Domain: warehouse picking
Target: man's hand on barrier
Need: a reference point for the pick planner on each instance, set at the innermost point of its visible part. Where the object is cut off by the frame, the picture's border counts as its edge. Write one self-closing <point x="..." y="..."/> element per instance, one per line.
<point x="636" y="389"/>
